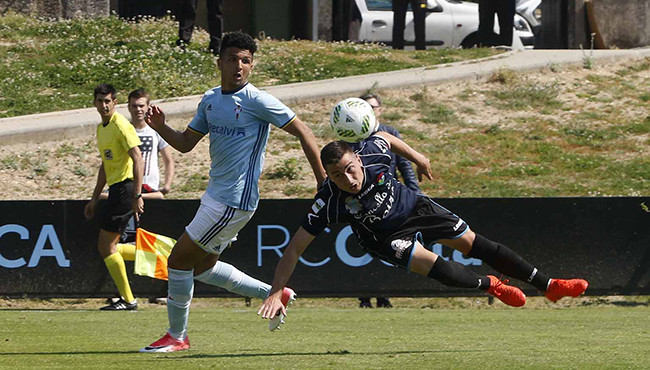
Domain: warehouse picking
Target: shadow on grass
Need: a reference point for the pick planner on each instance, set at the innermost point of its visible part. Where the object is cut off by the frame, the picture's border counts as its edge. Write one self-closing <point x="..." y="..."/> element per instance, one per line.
<point x="67" y="353"/>
<point x="231" y="355"/>
<point x="326" y="353"/>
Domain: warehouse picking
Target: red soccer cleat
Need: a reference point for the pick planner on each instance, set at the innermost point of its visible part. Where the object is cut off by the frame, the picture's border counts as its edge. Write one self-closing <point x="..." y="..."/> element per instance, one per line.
<point x="559" y="288"/>
<point x="288" y="296"/>
<point x="167" y="344"/>
<point x="510" y="295"/>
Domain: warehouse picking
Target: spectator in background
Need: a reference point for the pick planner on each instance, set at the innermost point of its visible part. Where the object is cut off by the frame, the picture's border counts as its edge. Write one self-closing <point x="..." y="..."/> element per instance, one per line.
<point x="399" y="20"/>
<point x="505" y="11"/>
<point x="152" y="145"/>
<point x="186" y="16"/>
<point x="397" y="162"/>
<point x="121" y="169"/>
<point x="355" y="22"/>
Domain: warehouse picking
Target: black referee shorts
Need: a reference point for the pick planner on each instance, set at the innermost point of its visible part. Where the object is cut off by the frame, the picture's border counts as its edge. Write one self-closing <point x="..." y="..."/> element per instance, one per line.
<point x="119" y="206"/>
<point x="428" y="223"/>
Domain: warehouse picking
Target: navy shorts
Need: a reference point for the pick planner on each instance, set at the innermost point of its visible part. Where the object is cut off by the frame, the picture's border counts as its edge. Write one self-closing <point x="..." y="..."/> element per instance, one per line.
<point x="119" y="207"/>
<point x="428" y="223"/>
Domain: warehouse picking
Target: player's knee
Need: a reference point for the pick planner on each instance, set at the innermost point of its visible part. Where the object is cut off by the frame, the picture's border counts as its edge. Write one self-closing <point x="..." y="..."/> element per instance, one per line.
<point x="483" y="247"/>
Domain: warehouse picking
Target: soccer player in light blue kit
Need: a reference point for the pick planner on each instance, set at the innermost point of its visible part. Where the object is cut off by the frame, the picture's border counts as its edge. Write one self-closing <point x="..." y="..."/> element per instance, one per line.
<point x="236" y="116"/>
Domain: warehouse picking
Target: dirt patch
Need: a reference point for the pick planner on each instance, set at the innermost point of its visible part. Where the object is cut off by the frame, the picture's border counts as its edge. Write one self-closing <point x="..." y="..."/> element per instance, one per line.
<point x="67" y="169"/>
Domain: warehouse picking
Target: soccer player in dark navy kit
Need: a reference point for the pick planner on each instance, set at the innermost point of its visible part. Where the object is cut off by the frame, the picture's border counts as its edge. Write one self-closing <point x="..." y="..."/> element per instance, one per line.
<point x="393" y="222"/>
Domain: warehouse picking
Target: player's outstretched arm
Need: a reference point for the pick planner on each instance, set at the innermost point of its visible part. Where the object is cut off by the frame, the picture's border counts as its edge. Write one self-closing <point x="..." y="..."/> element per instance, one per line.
<point x="309" y="145"/>
<point x="400" y="147"/>
<point x="181" y="141"/>
<point x="299" y="242"/>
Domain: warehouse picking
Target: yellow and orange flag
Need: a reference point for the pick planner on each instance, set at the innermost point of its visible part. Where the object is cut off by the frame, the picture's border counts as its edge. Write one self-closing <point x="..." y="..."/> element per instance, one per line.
<point x="151" y="252"/>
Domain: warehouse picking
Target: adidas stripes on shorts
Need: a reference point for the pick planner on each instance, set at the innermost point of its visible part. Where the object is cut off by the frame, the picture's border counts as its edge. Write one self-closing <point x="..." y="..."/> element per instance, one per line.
<point x="216" y="225"/>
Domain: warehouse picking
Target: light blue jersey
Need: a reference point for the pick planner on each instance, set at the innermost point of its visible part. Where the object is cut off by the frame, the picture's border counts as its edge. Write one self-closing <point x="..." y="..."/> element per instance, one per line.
<point x="238" y="123"/>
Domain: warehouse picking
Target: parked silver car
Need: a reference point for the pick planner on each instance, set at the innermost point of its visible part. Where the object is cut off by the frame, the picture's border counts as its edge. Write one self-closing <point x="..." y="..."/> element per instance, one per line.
<point x="449" y="23"/>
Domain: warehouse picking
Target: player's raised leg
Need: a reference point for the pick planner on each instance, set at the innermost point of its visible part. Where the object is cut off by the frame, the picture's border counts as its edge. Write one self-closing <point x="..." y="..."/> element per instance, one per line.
<point x="508" y="262"/>
<point x="427" y="263"/>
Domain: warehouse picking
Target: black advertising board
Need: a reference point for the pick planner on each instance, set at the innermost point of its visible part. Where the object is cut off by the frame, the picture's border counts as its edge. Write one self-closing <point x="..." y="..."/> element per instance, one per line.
<point x="48" y="249"/>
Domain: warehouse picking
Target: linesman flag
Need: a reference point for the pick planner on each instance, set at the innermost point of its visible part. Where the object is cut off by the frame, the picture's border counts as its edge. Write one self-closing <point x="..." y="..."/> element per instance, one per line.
<point x="151" y="253"/>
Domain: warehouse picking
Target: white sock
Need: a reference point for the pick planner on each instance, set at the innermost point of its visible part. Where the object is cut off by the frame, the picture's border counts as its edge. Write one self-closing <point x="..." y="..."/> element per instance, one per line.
<point x="226" y="276"/>
<point x="179" y="295"/>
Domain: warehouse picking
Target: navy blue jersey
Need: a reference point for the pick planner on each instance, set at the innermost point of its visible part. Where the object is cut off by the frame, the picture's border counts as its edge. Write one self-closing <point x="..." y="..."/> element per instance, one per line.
<point x="381" y="205"/>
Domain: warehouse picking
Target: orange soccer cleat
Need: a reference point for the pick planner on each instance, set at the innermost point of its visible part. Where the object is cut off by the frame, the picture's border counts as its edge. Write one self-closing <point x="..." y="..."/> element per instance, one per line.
<point x="559" y="288"/>
<point x="510" y="295"/>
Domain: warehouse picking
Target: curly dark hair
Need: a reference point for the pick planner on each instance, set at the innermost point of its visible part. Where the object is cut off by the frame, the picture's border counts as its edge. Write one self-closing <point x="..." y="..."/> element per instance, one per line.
<point x="238" y="40"/>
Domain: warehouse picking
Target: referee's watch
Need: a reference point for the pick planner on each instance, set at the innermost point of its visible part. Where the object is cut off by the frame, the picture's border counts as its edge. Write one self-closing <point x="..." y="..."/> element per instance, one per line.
<point x="138" y="196"/>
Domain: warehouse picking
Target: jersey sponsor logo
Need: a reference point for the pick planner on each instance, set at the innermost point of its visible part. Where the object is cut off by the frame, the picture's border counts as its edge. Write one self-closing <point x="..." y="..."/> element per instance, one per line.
<point x="399" y="246"/>
<point x="108" y="154"/>
<point x="228" y="131"/>
<point x="365" y="192"/>
<point x="318" y="205"/>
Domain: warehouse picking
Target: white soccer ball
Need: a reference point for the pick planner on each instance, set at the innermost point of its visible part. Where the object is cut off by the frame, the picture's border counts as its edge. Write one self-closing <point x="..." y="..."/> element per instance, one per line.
<point x="353" y="120"/>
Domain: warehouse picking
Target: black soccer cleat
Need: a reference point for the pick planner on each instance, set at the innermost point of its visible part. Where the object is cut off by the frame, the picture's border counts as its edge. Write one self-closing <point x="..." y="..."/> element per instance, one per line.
<point x="121" y="305"/>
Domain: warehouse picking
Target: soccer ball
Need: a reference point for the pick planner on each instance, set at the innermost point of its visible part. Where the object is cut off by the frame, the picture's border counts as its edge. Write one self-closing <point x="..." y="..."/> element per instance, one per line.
<point x="353" y="120"/>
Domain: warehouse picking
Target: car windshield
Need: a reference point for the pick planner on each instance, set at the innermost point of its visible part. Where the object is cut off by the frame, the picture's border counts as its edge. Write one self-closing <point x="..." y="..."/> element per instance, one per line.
<point x="379" y="4"/>
<point x="388" y="4"/>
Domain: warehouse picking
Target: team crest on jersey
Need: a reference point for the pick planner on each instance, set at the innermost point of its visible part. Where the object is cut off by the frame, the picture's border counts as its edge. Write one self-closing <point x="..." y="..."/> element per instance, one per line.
<point x="238" y="109"/>
<point x="352" y="205"/>
<point x="108" y="154"/>
<point x="381" y="179"/>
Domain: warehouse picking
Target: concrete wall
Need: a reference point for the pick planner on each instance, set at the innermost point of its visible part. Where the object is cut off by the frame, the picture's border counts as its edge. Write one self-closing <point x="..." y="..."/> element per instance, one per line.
<point x="623" y="23"/>
<point x="58" y="8"/>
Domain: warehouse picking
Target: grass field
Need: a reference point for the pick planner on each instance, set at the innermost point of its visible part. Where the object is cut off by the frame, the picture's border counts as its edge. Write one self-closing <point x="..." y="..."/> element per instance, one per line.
<point x="321" y="333"/>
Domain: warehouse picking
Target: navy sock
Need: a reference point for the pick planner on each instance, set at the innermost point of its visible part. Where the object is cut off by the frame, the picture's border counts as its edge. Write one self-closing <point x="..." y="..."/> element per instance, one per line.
<point x="507" y="262"/>
<point x="454" y="274"/>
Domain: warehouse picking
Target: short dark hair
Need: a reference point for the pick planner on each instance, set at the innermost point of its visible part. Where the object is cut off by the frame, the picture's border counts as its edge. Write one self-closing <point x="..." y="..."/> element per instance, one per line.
<point x="238" y="40"/>
<point x="334" y="151"/>
<point x="104" y="89"/>
<point x="371" y="96"/>
<point x="137" y="94"/>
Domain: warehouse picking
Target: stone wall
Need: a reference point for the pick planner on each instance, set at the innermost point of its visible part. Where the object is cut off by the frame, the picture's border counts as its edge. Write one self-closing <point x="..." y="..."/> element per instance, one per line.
<point x="623" y="23"/>
<point x="57" y="8"/>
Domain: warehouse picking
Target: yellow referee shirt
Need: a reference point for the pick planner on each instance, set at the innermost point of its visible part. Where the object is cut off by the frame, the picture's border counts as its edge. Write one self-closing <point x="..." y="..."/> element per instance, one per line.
<point x="114" y="142"/>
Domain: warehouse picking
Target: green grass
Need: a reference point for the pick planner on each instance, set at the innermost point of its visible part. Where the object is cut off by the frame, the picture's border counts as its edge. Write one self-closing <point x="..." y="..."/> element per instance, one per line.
<point x="319" y="335"/>
<point x="54" y="65"/>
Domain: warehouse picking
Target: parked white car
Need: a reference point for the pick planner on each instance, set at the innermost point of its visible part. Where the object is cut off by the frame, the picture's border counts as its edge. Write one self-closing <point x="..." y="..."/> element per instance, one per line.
<point x="449" y="23"/>
<point x="531" y="11"/>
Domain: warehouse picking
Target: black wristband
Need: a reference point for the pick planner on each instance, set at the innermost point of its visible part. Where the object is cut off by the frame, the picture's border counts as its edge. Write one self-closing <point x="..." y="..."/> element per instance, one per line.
<point x="138" y="196"/>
